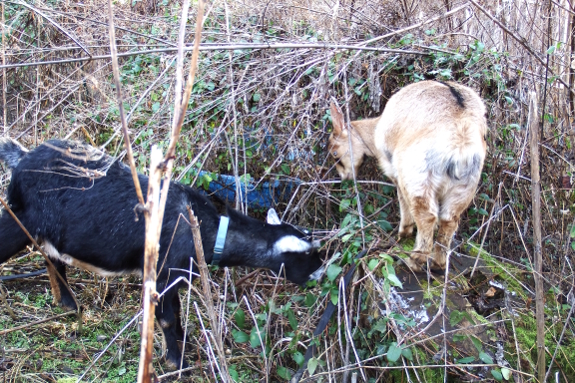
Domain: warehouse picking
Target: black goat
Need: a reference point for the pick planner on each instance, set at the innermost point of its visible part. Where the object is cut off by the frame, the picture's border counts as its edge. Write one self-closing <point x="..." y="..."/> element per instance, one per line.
<point x="79" y="202"/>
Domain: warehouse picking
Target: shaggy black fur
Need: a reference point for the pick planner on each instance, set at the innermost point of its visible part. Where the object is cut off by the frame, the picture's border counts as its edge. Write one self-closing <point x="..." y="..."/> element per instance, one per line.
<point x="80" y="203"/>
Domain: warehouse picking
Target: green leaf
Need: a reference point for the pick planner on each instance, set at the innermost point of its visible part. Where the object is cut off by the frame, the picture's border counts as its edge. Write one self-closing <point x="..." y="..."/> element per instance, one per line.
<point x="334" y="295"/>
<point x="256" y="97"/>
<point x="333" y="271"/>
<point x="234" y="374"/>
<point x="477" y="343"/>
<point x="240" y="336"/>
<point x="310" y="299"/>
<point x="283" y="373"/>
<point x="406" y="352"/>
<point x="485" y="358"/>
<point x="347" y="237"/>
<point x="386" y="257"/>
<point x="372" y="264"/>
<point x="385" y="225"/>
<point x="459" y="337"/>
<point x="344" y="204"/>
<point x="255" y="339"/>
<point x="155" y="107"/>
<point x="469" y="359"/>
<point x="393" y="353"/>
<point x="551" y="50"/>
<point x="455" y="317"/>
<point x="392" y="278"/>
<point x="497" y="375"/>
<point x="122" y="371"/>
<point x="572" y="232"/>
<point x="240" y="317"/>
<point x="506" y="373"/>
<point x="292" y="320"/>
<point x="298" y="358"/>
<point x="312" y="365"/>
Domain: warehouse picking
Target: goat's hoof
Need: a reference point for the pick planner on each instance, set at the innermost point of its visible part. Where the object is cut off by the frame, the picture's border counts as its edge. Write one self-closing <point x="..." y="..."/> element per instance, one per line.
<point x="173" y="364"/>
<point x="68" y="303"/>
<point x="424" y="263"/>
<point x="415" y="266"/>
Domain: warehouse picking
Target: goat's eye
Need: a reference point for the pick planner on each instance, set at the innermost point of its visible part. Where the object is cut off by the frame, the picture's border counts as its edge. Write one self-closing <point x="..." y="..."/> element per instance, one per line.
<point x="334" y="153"/>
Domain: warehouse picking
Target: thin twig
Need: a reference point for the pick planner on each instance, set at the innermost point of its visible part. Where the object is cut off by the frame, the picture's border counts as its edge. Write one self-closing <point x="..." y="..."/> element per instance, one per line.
<point x="207" y="291"/>
<point x="116" y="70"/>
<point x="24" y="326"/>
<point x="222" y="47"/>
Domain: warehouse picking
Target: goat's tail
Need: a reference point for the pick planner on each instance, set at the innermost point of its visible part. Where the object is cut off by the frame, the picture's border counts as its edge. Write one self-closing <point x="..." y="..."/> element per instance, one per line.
<point x="11" y="152"/>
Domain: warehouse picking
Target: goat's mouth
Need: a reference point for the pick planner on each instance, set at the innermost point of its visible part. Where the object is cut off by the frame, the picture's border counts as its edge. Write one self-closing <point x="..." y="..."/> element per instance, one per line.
<point x="318" y="274"/>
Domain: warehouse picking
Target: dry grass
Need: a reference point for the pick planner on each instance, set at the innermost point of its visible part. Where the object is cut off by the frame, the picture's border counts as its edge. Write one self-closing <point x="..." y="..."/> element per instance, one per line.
<point x="262" y="114"/>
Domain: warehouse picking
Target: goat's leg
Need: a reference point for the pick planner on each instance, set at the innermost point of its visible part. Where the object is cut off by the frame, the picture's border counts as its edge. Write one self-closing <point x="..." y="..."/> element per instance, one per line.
<point x="406" y="222"/>
<point x="169" y="322"/>
<point x="12" y="237"/>
<point x="424" y="211"/>
<point x="444" y="235"/>
<point x="178" y="313"/>
<point x="59" y="288"/>
<point x="453" y="205"/>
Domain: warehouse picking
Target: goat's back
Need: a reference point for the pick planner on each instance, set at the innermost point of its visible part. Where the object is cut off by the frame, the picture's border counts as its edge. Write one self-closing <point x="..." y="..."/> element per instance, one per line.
<point x="432" y="129"/>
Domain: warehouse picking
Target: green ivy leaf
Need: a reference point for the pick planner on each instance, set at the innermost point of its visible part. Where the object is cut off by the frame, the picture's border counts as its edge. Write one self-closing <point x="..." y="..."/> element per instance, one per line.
<point x="292" y="320"/>
<point x="497" y="375"/>
<point x="256" y="97"/>
<point x="255" y="339"/>
<point x="455" y="317"/>
<point x="506" y="373"/>
<point x="333" y="271"/>
<point x="469" y="359"/>
<point x="407" y="354"/>
<point x="476" y="342"/>
<point x="334" y="295"/>
<point x="344" y="204"/>
<point x="393" y="353"/>
<point x="298" y="358"/>
<point x="392" y="278"/>
<point x="372" y="264"/>
<point x="485" y="358"/>
<point x="240" y="336"/>
<point x="312" y="365"/>
<point x="283" y="373"/>
<point x="234" y="374"/>
<point x="240" y="317"/>
<point x="385" y="225"/>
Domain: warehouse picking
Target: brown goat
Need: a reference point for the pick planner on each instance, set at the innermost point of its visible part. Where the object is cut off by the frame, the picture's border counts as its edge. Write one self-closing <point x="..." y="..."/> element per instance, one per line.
<point x="430" y="141"/>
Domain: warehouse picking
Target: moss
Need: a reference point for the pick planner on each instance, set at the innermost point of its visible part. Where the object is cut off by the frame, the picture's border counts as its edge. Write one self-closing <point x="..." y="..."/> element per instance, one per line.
<point x="526" y="335"/>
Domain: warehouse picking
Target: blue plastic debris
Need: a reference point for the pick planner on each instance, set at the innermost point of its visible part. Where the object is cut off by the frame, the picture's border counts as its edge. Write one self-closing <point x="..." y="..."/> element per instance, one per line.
<point x="262" y="196"/>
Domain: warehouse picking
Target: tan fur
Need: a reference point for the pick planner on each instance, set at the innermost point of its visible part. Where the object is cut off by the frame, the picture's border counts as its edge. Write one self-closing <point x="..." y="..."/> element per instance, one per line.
<point x="52" y="276"/>
<point x="432" y="148"/>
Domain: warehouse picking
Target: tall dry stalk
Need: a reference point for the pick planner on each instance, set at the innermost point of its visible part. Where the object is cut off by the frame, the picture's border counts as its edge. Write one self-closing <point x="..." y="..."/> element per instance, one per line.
<point x="538" y="259"/>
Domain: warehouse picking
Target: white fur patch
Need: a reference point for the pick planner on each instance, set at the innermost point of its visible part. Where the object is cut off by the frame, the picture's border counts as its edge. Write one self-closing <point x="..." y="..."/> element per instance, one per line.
<point x="291" y="243"/>
<point x="71" y="261"/>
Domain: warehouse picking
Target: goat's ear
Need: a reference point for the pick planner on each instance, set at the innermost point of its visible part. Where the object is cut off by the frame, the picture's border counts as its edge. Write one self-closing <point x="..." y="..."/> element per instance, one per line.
<point x="273" y="218"/>
<point x="337" y="120"/>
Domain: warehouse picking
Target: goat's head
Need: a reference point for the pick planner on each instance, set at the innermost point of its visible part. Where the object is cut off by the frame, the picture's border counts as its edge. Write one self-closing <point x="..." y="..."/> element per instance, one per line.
<point x="343" y="145"/>
<point x="299" y="255"/>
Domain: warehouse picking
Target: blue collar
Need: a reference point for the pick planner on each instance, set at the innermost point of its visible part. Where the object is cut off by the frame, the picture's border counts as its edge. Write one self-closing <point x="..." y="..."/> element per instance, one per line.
<point x="220" y="240"/>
